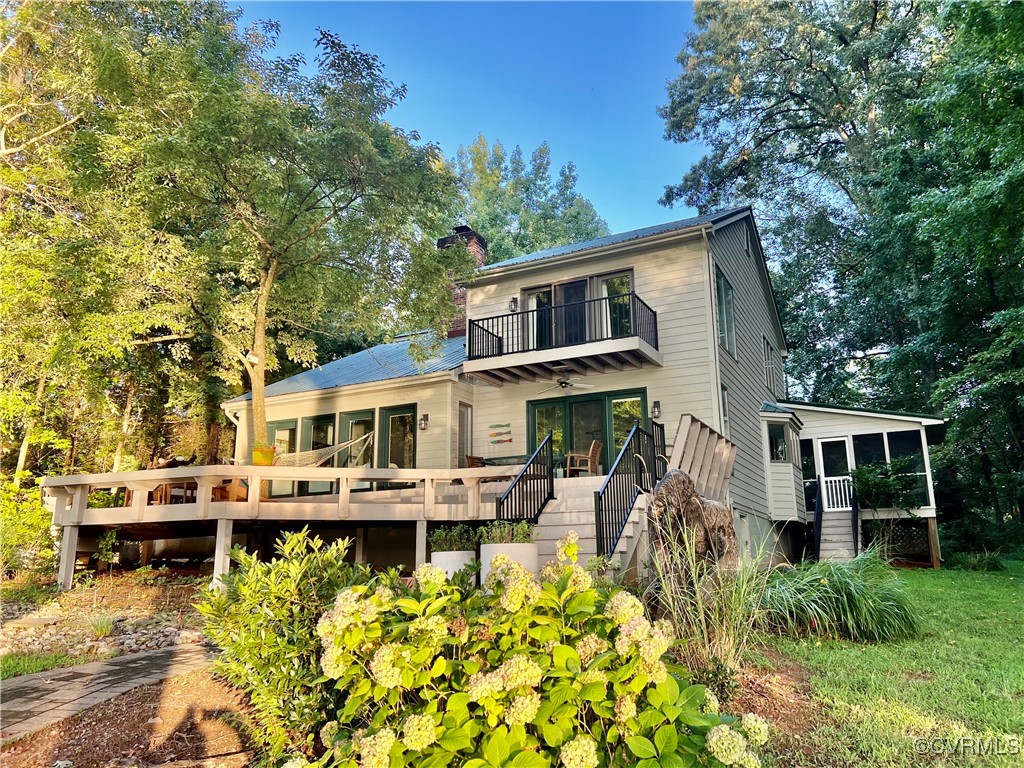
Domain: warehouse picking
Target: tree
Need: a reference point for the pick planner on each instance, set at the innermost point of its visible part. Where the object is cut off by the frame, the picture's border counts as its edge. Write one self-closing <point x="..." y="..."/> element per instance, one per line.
<point x="294" y="194"/>
<point x="519" y="208"/>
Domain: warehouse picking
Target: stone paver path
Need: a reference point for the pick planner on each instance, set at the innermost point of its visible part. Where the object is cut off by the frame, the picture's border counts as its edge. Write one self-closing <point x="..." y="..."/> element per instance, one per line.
<point x="31" y="702"/>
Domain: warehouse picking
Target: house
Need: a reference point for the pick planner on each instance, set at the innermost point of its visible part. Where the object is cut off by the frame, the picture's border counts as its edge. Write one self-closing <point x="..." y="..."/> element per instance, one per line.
<point x="668" y="335"/>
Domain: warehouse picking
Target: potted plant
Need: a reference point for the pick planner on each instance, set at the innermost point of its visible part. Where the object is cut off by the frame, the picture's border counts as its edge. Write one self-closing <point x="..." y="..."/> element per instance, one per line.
<point x="512" y="539"/>
<point x="452" y="548"/>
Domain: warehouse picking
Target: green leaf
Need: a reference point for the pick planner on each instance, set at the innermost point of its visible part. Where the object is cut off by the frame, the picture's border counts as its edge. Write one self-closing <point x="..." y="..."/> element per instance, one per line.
<point x="697" y="719"/>
<point x="552" y="734"/>
<point x="454" y="740"/>
<point x="666" y="739"/>
<point x="669" y="689"/>
<point x="527" y="759"/>
<point x="641" y="747"/>
<point x="593" y="692"/>
<point x="676" y="760"/>
<point x="497" y="748"/>
<point x="563" y="656"/>
<point x="439" y="668"/>
<point x="655" y="697"/>
<point x="584" y="602"/>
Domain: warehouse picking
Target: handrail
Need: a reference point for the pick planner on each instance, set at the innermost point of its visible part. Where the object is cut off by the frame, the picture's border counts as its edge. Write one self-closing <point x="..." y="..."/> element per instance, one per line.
<point x="563" y="325"/>
<point x="532" y="488"/>
<point x="636" y="470"/>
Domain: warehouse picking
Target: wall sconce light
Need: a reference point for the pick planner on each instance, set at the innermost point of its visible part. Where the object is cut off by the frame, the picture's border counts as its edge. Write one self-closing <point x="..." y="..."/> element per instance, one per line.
<point x="424" y="420"/>
<point x="656" y="409"/>
<point x="513" y="304"/>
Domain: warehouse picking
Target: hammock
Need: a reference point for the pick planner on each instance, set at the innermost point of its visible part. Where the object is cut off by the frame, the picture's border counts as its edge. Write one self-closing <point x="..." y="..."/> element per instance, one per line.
<point x="317" y="456"/>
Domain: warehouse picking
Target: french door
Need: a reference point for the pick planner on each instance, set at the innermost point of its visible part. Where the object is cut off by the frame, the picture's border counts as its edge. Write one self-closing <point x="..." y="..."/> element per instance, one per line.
<point x="397" y="438"/>
<point x="281" y="435"/>
<point x="352" y="425"/>
<point x="317" y="432"/>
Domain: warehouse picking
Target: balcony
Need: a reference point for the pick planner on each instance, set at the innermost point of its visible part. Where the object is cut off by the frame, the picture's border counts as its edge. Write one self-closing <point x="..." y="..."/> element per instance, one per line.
<point x="594" y="336"/>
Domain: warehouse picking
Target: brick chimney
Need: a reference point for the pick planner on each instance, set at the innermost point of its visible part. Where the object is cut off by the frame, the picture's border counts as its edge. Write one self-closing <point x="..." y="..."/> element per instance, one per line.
<point x="477" y="245"/>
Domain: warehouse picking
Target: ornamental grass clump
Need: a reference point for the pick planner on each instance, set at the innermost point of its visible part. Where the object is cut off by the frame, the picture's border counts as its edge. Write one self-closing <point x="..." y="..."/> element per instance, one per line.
<point x="453" y="538"/>
<point x="527" y="674"/>
<point x="862" y="599"/>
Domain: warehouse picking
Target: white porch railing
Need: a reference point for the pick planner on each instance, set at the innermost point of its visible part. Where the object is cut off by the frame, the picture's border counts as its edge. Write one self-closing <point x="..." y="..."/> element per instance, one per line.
<point x="837" y="493"/>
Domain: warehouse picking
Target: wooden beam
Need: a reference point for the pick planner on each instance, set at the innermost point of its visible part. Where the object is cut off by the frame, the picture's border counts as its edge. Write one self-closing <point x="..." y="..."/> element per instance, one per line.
<point x="593" y="364"/>
<point x="633" y="359"/>
<point x="421" y="542"/>
<point x="507" y="375"/>
<point x="68" y="550"/>
<point x="487" y="378"/>
<point x="691" y="446"/>
<point x="222" y="551"/>
<point x="679" y="441"/>
<point x="542" y="372"/>
<point x="610" y="360"/>
<point x="576" y="366"/>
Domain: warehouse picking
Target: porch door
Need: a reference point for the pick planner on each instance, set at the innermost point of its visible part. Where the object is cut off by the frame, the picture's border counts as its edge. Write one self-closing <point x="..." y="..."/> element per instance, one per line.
<point x="549" y="415"/>
<point x="587" y="422"/>
<point x="317" y="432"/>
<point x="352" y="425"/>
<point x="397" y="439"/>
<point x="835" y="469"/>
<point x="571" y="313"/>
<point x="617" y="315"/>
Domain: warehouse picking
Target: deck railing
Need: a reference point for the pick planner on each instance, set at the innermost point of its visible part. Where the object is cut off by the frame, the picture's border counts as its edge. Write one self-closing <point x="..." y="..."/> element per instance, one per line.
<point x="563" y="325"/>
<point x="532" y="488"/>
<point x="636" y="470"/>
<point x="837" y="493"/>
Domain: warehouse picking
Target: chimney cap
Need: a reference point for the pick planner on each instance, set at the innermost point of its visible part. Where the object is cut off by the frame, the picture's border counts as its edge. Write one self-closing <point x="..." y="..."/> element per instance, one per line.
<point x="463" y="234"/>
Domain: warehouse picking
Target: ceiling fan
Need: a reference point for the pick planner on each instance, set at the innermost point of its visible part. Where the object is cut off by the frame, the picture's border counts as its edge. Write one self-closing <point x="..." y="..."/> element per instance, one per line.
<point x="567" y="383"/>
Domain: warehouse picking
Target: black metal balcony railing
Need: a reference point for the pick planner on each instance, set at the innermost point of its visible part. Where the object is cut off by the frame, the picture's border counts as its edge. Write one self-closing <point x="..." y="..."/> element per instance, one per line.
<point x="563" y="325"/>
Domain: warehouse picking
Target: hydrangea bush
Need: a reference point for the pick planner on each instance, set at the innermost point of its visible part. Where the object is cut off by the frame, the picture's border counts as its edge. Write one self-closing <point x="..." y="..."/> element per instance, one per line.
<point x="523" y="674"/>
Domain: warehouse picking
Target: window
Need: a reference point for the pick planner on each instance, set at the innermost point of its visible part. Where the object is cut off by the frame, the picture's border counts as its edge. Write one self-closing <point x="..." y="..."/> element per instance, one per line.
<point x="868" y="449"/>
<point x="809" y="473"/>
<point x="725" y="411"/>
<point x="769" y="365"/>
<point x="282" y="436"/>
<point x="726" y="327"/>
<point x="777" y="443"/>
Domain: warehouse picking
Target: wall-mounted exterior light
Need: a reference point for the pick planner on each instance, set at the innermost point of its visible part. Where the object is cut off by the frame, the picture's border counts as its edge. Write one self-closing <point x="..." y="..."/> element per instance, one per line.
<point x="513" y="304"/>
<point x="424" y="420"/>
<point x="656" y="409"/>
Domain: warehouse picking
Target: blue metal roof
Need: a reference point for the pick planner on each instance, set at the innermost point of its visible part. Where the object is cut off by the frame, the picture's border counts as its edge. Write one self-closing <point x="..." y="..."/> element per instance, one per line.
<point x="380" y="363"/>
<point x="622" y="237"/>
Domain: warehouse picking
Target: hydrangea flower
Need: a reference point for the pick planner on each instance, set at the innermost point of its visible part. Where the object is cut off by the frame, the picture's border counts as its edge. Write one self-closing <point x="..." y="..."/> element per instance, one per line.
<point x="580" y="580"/>
<point x="711" y="703"/>
<point x="296" y="762"/>
<point x="384" y="665"/>
<point x="622" y="607"/>
<point x="625" y="709"/>
<point x="590" y="647"/>
<point x="568" y="547"/>
<point x="329" y="732"/>
<point x="523" y="709"/>
<point x="551" y="572"/>
<point x="484" y="684"/>
<point x="429" y="577"/>
<point x="430" y="630"/>
<point x="593" y="676"/>
<point x="726" y="745"/>
<point x="581" y="752"/>
<point x="631" y="634"/>
<point x="518" y="586"/>
<point x="755" y="728"/>
<point x="419" y="732"/>
<point x="375" y="750"/>
<point x="520" y="672"/>
<point x="748" y="760"/>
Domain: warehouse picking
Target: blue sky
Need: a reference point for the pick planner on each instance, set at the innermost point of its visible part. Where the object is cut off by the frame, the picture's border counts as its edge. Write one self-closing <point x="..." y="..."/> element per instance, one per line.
<point x="585" y="77"/>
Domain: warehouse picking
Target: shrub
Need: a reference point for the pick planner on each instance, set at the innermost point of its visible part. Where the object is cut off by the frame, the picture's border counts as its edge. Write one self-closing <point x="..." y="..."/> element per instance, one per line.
<point x="976" y="561"/>
<point x="525" y="675"/>
<point x="26" y="543"/>
<point x="715" y="607"/>
<point x="457" y="538"/>
<point x="862" y="599"/>
<point x="102" y="625"/>
<point x="264" y="621"/>
<point x="503" y="532"/>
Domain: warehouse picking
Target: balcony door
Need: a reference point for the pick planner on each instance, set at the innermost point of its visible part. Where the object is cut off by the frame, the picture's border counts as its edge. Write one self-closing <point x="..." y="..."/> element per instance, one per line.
<point x="571" y="313"/>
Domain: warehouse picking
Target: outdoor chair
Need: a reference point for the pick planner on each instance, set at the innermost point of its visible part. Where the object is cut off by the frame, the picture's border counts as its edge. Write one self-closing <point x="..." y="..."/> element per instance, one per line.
<point x="584" y="462"/>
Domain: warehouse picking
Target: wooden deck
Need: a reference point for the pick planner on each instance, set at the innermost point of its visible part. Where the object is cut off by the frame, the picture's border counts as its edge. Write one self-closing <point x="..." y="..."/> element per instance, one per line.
<point x="194" y="493"/>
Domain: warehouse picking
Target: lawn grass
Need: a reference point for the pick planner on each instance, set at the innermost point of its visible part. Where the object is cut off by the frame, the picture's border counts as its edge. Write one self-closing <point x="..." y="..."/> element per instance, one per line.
<point x="17" y="664"/>
<point x="963" y="677"/>
<point x="27" y="588"/>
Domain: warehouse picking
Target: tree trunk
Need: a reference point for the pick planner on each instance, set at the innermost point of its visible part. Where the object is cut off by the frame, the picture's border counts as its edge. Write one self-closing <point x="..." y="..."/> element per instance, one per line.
<point x="257" y="366"/>
<point x="70" y="456"/>
<point x="213" y="432"/>
<point x="126" y="420"/>
<point x="26" y="440"/>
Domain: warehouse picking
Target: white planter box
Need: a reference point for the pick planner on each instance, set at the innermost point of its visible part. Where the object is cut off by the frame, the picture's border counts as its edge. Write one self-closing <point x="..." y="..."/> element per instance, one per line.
<point x="524" y="554"/>
<point x="453" y="561"/>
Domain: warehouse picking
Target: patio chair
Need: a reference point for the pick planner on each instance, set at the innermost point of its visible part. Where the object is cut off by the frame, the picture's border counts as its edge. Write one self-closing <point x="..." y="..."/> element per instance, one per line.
<point x="474" y="462"/>
<point x="584" y="462"/>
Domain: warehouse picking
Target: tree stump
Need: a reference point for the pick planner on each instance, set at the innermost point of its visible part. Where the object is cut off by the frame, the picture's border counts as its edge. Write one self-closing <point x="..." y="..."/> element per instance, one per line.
<point x="682" y="520"/>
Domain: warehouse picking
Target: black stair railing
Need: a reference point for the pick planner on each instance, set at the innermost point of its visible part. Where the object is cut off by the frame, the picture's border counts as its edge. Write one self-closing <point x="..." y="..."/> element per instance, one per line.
<point x="532" y="488"/>
<point x="638" y="467"/>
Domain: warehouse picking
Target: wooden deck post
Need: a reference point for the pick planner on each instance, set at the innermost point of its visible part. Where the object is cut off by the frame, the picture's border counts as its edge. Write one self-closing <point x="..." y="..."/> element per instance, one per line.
<point x="68" y="551"/>
<point x="421" y="542"/>
<point x="222" y="550"/>
<point x="933" y="543"/>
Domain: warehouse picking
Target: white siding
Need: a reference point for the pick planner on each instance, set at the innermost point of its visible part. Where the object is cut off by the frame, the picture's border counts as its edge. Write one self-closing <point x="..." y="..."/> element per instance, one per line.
<point x="673" y="280"/>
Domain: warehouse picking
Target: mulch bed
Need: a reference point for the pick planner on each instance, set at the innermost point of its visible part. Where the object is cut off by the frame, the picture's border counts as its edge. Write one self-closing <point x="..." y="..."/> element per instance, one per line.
<point x="189" y="720"/>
